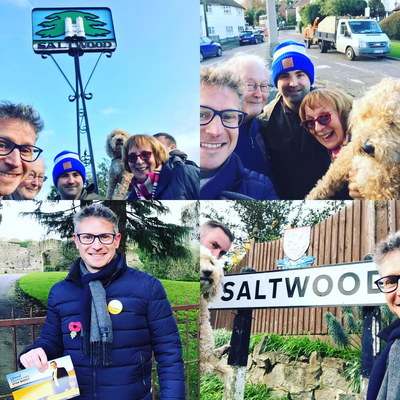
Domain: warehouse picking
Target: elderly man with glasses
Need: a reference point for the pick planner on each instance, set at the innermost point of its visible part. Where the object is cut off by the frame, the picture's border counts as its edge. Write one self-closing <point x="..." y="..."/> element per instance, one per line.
<point x="19" y="128"/>
<point x="110" y="318"/>
<point x="384" y="382"/>
<point x="31" y="186"/>
<point x="222" y="175"/>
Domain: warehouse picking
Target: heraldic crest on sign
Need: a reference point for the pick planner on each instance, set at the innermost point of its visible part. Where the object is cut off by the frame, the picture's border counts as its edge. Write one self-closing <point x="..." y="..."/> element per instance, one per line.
<point x="295" y="245"/>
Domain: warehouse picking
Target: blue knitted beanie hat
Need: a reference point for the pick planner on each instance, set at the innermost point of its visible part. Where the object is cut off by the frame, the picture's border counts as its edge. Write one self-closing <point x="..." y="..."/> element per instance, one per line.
<point x="290" y="56"/>
<point x="67" y="161"/>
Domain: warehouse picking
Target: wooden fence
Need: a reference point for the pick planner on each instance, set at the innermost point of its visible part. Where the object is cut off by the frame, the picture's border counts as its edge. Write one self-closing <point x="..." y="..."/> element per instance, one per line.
<point x="347" y="236"/>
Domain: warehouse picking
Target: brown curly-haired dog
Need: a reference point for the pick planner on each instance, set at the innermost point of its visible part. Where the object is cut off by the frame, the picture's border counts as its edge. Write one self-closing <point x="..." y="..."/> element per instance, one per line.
<point x="374" y="150"/>
<point x="118" y="178"/>
<point x="211" y="276"/>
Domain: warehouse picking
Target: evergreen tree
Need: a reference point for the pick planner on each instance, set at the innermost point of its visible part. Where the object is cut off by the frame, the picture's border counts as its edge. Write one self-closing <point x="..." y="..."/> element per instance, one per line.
<point x="138" y="221"/>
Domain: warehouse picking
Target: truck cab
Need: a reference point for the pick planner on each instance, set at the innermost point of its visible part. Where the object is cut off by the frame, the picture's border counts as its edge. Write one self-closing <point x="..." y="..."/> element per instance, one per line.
<point x="361" y="37"/>
<point x="352" y="36"/>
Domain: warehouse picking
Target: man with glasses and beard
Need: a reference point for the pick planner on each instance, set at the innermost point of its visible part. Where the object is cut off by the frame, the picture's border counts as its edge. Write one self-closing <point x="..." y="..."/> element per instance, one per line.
<point x="297" y="160"/>
<point x="222" y="175"/>
<point x="31" y="186"/>
<point x="69" y="176"/>
<point x="124" y="316"/>
<point x="384" y="383"/>
<point x="19" y="128"/>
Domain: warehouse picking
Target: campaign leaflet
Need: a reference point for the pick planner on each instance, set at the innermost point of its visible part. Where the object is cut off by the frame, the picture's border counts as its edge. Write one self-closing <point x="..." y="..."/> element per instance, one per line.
<point x="57" y="382"/>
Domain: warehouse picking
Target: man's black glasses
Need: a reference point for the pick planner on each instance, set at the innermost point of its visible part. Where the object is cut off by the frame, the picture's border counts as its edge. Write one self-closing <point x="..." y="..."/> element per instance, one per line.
<point x="230" y="118"/>
<point x="88" y="238"/>
<point x="388" y="284"/>
<point x="27" y="152"/>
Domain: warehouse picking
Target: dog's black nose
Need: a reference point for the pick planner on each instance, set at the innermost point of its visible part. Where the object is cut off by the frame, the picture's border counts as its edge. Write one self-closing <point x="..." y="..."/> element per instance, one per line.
<point x="368" y="149"/>
<point x="119" y="141"/>
<point x="206" y="273"/>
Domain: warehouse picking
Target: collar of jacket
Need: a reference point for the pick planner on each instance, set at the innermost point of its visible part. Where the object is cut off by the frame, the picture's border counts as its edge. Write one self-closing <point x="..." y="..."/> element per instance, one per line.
<point x="75" y="273"/>
<point x="390" y="332"/>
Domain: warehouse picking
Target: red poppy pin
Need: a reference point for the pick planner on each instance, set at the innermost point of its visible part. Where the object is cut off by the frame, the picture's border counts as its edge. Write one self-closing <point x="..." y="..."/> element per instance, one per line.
<point x="74" y="327"/>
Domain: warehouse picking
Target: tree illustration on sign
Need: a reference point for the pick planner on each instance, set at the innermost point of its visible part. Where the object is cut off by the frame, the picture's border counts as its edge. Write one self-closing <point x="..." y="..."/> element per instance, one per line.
<point x="56" y="27"/>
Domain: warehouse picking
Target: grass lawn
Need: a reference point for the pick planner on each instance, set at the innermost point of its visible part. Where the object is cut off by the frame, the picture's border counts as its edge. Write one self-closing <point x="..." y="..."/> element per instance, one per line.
<point x="38" y="286"/>
<point x="395" y="52"/>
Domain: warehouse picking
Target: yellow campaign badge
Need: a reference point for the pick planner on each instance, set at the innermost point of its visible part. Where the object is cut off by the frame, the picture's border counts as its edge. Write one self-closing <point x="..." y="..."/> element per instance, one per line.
<point x="114" y="307"/>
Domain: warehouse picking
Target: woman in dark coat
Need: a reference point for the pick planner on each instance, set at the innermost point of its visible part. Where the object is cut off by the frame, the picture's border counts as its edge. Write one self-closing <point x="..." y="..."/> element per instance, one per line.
<point x="156" y="176"/>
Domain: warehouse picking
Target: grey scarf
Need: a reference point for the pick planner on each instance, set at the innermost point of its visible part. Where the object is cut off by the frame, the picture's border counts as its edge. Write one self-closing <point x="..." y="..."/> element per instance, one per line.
<point x="97" y="343"/>
<point x="390" y="387"/>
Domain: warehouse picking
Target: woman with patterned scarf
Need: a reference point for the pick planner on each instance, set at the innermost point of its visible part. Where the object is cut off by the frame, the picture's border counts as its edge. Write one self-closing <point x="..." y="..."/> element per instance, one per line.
<point x="156" y="176"/>
<point x="384" y="382"/>
<point x="324" y="113"/>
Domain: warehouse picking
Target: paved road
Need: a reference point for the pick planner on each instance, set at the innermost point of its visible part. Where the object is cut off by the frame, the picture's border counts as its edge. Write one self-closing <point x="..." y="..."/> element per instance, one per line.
<point x="331" y="68"/>
<point x="7" y="281"/>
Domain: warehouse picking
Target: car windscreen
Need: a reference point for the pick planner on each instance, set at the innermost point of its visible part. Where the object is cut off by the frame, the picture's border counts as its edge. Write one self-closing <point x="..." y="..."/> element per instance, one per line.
<point x="246" y="33"/>
<point x="365" y="27"/>
<point x="205" y="40"/>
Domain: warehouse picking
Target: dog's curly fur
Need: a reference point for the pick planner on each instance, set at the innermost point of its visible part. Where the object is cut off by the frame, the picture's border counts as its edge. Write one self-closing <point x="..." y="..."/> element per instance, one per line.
<point x="374" y="126"/>
<point x="118" y="178"/>
<point x="211" y="276"/>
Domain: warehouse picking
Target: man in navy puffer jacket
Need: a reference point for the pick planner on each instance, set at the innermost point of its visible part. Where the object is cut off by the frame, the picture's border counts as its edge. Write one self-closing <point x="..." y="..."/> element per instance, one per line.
<point x="124" y="314"/>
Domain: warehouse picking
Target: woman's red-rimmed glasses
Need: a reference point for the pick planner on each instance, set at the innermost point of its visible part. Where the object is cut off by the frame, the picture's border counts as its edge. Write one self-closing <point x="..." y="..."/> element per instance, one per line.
<point x="144" y="155"/>
<point x="323" y="119"/>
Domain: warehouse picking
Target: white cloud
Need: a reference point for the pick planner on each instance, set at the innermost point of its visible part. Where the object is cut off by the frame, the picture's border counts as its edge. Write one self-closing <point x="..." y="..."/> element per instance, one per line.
<point x="19" y="3"/>
<point x="110" y="111"/>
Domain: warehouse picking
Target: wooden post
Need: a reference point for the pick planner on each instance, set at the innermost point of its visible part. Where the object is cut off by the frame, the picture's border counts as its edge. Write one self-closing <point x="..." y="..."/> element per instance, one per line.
<point x="239" y="350"/>
<point x="370" y="342"/>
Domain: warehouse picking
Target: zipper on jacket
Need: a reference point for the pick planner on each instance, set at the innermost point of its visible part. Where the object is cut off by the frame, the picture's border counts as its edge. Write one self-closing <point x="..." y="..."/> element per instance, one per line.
<point x="94" y="383"/>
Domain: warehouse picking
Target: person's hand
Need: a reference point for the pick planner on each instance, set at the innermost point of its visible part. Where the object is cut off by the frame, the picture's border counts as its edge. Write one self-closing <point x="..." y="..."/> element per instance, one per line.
<point x="35" y="358"/>
<point x="353" y="188"/>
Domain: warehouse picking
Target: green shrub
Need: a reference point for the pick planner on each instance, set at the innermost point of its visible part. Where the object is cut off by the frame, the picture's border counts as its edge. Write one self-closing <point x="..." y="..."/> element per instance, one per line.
<point x="391" y="25"/>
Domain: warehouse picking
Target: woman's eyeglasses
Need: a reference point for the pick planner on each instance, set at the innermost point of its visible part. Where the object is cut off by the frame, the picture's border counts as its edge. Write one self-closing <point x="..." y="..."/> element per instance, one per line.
<point x="144" y="155"/>
<point x="323" y="119"/>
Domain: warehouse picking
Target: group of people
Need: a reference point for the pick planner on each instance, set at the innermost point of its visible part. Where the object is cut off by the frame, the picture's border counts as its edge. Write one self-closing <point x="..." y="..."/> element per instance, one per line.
<point x="160" y="171"/>
<point x="253" y="150"/>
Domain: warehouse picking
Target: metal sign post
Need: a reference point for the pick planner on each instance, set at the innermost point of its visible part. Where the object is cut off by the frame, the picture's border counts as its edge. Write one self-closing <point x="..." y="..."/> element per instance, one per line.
<point x="75" y="31"/>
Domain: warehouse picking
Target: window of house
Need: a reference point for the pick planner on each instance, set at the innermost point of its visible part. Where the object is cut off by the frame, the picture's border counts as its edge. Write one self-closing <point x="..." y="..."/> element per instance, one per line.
<point x="211" y="30"/>
<point x="229" y="29"/>
<point x="240" y="28"/>
<point x="239" y="11"/>
<point x="209" y="8"/>
<point x="227" y="9"/>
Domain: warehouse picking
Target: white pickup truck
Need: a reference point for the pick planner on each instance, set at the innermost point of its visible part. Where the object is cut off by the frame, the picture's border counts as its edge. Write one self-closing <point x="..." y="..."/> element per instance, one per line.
<point x="354" y="37"/>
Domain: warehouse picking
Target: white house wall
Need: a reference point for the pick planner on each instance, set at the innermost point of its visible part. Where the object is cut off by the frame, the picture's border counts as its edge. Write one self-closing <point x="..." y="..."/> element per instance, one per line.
<point x="219" y="20"/>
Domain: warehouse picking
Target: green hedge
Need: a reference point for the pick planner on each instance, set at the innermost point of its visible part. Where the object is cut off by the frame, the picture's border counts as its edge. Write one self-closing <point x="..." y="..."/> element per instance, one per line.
<point x="391" y="25"/>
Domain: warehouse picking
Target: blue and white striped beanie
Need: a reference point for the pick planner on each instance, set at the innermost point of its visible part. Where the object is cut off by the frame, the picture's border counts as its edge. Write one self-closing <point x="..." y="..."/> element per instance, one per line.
<point x="67" y="161"/>
<point x="290" y="56"/>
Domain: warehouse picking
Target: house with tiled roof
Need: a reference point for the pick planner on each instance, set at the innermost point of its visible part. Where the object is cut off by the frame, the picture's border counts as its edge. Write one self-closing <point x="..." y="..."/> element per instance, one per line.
<point x="299" y="4"/>
<point x="224" y="18"/>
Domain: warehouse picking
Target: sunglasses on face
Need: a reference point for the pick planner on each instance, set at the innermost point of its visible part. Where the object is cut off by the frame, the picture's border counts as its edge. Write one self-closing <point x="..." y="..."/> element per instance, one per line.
<point x="323" y="119"/>
<point x="144" y="155"/>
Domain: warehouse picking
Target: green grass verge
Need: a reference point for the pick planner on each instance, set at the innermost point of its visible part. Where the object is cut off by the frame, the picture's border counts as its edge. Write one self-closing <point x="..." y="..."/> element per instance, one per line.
<point x="38" y="285"/>
<point x="395" y="51"/>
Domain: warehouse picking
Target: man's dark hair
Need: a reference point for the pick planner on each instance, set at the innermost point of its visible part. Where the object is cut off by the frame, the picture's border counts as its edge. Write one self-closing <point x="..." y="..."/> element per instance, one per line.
<point x="212" y="224"/>
<point x="96" y="210"/>
<point x="169" y="138"/>
<point x="23" y="112"/>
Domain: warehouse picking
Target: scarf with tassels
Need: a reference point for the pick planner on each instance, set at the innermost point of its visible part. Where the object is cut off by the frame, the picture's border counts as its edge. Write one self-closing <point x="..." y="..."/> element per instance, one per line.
<point x="335" y="152"/>
<point x="97" y="332"/>
<point x="147" y="189"/>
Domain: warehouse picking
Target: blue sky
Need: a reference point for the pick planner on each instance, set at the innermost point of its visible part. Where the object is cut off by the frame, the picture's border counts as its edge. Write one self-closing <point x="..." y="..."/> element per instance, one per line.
<point x="149" y="85"/>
